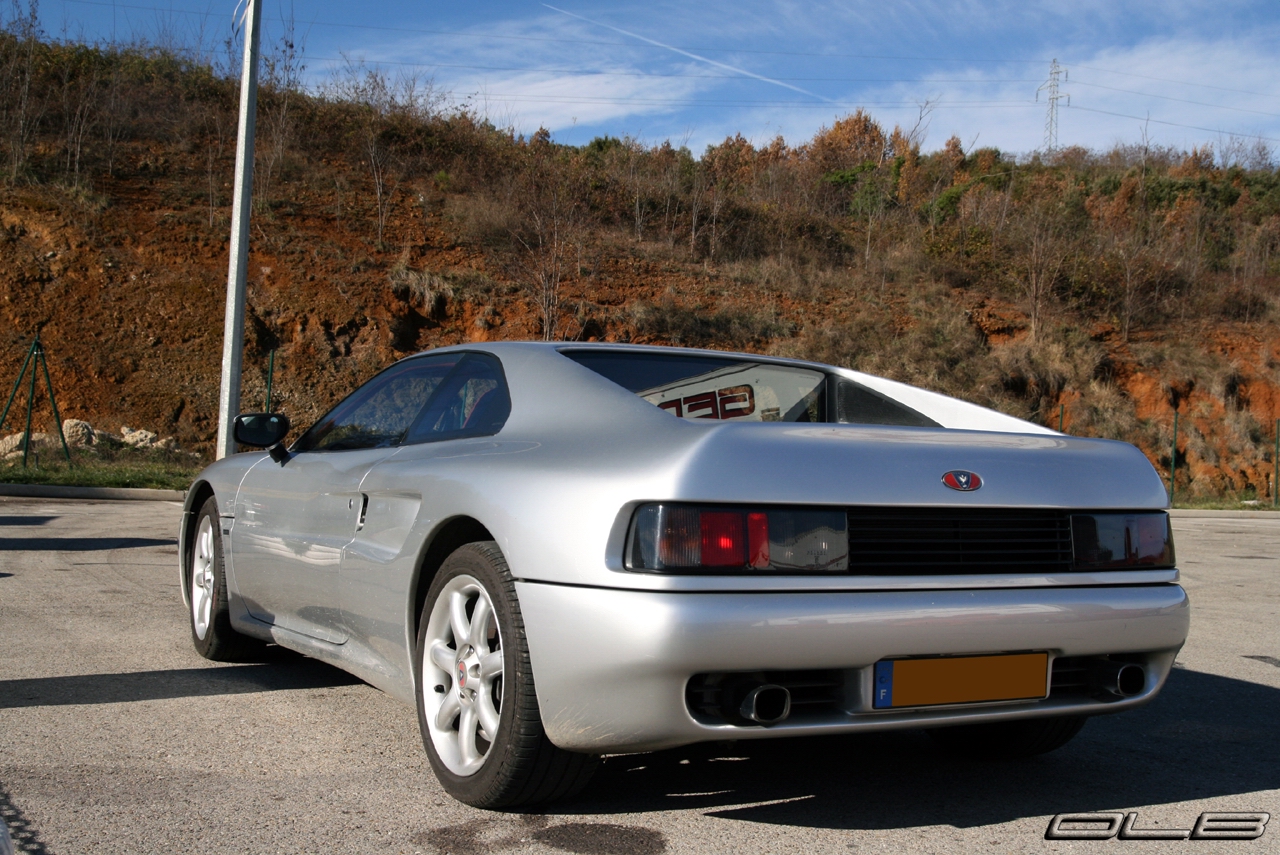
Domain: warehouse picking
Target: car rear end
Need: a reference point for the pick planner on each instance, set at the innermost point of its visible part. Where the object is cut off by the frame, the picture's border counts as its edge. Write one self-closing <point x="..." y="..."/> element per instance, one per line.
<point x="1046" y="589"/>
<point x="745" y="547"/>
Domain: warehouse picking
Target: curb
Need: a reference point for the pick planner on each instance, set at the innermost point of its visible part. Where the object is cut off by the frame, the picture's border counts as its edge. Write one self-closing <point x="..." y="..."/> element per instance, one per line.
<point x="1197" y="513"/>
<point x="57" y="491"/>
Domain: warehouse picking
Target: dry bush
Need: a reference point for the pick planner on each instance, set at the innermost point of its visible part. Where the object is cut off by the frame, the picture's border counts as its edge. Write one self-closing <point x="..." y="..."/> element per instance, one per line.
<point x="423" y="290"/>
<point x="735" y="328"/>
<point x="483" y="219"/>
<point x="1104" y="411"/>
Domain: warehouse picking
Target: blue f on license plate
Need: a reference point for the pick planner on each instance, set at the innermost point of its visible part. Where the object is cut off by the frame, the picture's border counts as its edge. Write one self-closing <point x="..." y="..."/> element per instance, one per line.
<point x="960" y="680"/>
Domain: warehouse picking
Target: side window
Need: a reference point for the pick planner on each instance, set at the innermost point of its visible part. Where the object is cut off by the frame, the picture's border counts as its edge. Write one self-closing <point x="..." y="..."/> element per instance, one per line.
<point x="472" y="401"/>
<point x="378" y="413"/>
<point x="858" y="405"/>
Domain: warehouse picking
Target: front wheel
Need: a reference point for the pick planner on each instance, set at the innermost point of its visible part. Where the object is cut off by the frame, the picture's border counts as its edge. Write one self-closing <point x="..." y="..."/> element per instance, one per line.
<point x="210" y="613"/>
<point x="476" y="704"/>
<point x="1003" y="740"/>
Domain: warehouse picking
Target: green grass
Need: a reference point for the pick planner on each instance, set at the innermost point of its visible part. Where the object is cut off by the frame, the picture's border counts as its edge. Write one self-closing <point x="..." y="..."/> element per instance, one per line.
<point x="1225" y="503"/>
<point x="159" y="470"/>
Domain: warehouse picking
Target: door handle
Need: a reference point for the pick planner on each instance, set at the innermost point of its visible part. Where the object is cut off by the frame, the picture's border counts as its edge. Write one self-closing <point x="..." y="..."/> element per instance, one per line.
<point x="364" y="508"/>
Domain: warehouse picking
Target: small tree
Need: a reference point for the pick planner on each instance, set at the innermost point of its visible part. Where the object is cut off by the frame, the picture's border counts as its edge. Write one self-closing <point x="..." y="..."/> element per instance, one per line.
<point x="282" y="81"/>
<point x="1041" y="248"/>
<point x="550" y="201"/>
<point x="21" y="108"/>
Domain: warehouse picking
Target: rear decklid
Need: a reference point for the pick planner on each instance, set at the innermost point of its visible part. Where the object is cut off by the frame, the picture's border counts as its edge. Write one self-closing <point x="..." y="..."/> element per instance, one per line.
<point x="829" y="464"/>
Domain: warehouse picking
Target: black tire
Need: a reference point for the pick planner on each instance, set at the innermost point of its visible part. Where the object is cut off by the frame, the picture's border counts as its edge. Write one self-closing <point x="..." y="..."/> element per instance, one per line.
<point x="520" y="767"/>
<point x="219" y="641"/>
<point x="1006" y="740"/>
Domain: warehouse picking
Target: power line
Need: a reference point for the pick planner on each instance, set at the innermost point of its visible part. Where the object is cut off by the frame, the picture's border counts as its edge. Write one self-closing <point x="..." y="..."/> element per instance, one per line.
<point x="589" y="72"/>
<point x="1179" y="100"/>
<point x="1218" y="131"/>
<point x="550" y="98"/>
<point x="1179" y="82"/>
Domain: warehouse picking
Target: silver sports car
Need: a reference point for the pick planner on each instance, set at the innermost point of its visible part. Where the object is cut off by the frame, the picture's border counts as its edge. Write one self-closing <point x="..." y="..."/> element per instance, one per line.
<point x="561" y="551"/>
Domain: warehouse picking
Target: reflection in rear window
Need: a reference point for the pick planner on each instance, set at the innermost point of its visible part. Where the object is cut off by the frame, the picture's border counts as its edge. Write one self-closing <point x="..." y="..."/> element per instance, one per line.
<point x="694" y="387"/>
<point x="709" y="387"/>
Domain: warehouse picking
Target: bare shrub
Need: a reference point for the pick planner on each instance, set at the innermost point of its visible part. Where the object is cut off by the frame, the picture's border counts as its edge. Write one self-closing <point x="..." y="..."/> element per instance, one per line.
<point x="671" y="322"/>
<point x="483" y="219"/>
<point x="426" y="291"/>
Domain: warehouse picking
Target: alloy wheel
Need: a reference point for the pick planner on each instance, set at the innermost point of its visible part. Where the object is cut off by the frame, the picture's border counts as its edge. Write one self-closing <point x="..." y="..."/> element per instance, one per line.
<point x="462" y="675"/>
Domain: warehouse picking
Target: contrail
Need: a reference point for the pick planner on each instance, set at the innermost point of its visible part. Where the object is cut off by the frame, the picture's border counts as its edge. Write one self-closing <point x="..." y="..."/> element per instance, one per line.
<point x="734" y="69"/>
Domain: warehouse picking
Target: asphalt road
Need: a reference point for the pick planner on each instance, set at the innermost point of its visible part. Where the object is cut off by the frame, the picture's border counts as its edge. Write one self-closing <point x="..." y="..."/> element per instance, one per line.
<point x="116" y="737"/>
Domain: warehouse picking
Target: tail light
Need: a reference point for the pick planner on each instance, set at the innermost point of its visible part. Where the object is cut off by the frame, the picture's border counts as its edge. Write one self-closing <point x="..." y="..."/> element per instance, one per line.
<point x="1118" y="541"/>
<point x="697" y="539"/>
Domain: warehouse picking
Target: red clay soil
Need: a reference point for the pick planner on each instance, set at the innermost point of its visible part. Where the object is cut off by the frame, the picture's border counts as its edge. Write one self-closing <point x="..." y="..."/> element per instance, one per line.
<point x="127" y="286"/>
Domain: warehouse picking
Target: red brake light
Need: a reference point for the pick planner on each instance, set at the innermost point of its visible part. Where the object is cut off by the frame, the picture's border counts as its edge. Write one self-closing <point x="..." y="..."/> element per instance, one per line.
<point x="679" y="538"/>
<point x="722" y="539"/>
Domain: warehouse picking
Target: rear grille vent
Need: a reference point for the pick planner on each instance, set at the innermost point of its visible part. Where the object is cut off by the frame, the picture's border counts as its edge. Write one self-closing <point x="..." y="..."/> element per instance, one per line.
<point x="1071" y="678"/>
<point x="715" y="697"/>
<point x="1078" y="677"/>
<point x="941" y="541"/>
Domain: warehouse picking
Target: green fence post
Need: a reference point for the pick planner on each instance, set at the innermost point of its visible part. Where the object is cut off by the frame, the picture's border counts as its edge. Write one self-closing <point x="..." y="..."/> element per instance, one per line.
<point x="17" y="384"/>
<point x="1173" y="456"/>
<point x="31" y="400"/>
<point x="53" y="401"/>
<point x="1062" y="411"/>
<point x="271" y="370"/>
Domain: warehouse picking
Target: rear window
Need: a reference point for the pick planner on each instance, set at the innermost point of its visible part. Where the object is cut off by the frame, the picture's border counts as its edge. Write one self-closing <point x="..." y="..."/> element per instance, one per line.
<point x="709" y="387"/>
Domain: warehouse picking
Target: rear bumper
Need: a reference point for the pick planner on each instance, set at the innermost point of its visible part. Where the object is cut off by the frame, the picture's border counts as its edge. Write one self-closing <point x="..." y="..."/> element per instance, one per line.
<point x="612" y="666"/>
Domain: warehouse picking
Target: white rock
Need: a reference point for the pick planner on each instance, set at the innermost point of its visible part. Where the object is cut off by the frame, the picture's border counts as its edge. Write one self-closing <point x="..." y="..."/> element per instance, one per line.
<point x="137" y="438"/>
<point x="9" y="443"/>
<point x="78" y="433"/>
<point x="13" y="444"/>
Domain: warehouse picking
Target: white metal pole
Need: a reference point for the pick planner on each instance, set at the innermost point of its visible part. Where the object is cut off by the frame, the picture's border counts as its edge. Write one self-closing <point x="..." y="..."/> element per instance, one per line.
<point x="233" y="332"/>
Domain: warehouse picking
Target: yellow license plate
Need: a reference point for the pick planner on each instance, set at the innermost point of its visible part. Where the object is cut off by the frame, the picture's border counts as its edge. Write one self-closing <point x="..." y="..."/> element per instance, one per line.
<point x="960" y="680"/>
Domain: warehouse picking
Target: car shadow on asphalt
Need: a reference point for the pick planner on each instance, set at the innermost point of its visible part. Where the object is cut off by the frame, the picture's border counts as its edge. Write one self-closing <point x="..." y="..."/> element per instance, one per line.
<point x="80" y="544"/>
<point x="25" y="520"/>
<point x="1205" y="736"/>
<point x="282" y="671"/>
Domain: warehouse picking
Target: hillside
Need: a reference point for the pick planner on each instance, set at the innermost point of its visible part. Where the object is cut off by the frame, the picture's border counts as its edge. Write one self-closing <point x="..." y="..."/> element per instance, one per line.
<point x="1117" y="286"/>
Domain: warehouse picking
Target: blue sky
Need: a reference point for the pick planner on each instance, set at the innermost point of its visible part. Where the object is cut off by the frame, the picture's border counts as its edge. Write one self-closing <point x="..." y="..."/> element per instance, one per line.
<point x="1184" y="72"/>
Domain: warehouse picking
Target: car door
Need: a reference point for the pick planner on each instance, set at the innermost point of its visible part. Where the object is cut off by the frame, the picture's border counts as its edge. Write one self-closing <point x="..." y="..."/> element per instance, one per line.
<point x="292" y="520"/>
<point x="468" y="407"/>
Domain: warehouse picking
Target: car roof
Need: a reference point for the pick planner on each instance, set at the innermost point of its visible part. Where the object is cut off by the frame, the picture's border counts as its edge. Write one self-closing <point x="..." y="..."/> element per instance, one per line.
<point x="498" y="347"/>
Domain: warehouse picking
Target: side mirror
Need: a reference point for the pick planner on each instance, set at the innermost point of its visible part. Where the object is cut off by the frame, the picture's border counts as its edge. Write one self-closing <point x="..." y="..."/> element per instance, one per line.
<point x="263" y="430"/>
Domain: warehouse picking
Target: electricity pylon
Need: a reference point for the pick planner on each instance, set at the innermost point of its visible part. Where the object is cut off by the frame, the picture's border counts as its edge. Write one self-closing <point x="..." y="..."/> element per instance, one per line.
<point x="1054" y="96"/>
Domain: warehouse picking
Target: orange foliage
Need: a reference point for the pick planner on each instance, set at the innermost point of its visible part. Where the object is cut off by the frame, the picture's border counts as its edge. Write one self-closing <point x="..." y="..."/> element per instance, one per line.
<point x="850" y="142"/>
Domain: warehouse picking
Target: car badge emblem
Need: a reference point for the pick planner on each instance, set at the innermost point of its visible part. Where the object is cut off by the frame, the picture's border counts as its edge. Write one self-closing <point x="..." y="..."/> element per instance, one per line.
<point x="965" y="482"/>
<point x="462" y="675"/>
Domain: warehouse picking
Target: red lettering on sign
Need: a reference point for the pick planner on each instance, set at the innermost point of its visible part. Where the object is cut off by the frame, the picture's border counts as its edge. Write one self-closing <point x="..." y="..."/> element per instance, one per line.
<point x="704" y="402"/>
<point x="736" y="402"/>
<point x="673" y="406"/>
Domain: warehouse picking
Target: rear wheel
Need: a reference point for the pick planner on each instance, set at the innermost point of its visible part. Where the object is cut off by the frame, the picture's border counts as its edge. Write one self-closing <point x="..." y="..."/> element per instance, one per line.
<point x="476" y="704"/>
<point x="210" y="613"/>
<point x="1009" y="739"/>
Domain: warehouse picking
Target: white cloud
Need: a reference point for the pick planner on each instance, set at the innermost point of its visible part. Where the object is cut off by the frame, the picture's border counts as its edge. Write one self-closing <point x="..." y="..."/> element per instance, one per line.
<point x="580" y="80"/>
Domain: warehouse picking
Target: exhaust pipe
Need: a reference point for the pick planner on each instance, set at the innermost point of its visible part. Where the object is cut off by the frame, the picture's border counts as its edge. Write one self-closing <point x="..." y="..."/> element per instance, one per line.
<point x="766" y="704"/>
<point x="1122" y="679"/>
